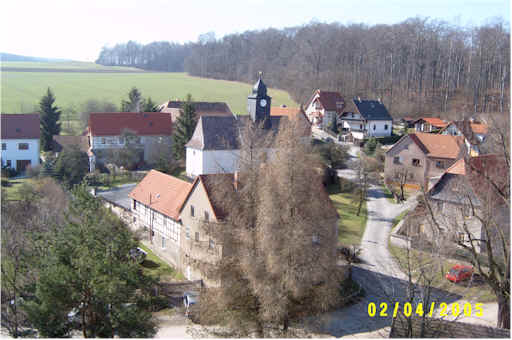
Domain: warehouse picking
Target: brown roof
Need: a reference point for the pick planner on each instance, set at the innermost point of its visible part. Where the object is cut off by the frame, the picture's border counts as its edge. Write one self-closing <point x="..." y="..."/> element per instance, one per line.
<point x="163" y="193"/>
<point x="328" y="99"/>
<point x="201" y="108"/>
<point x="142" y="123"/>
<point x="20" y="126"/>
<point x="437" y="122"/>
<point x="457" y="168"/>
<point x="60" y="142"/>
<point x="435" y="145"/>
<point x="293" y="114"/>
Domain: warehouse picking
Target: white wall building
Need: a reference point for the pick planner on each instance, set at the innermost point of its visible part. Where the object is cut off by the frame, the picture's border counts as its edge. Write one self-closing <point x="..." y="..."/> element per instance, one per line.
<point x="20" y="140"/>
<point x="367" y="118"/>
<point x="324" y="107"/>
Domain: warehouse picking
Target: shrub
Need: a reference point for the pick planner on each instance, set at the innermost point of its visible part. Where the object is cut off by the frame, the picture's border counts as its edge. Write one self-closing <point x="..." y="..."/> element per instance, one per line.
<point x="8" y="172"/>
<point x="370" y="146"/>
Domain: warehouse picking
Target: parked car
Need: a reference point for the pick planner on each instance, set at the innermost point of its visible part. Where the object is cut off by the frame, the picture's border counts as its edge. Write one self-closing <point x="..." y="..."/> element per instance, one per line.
<point x="138" y="254"/>
<point x="459" y="273"/>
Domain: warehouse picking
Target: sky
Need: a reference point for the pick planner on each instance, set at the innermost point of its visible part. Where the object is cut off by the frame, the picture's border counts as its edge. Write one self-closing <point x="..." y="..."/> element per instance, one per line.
<point x="78" y="29"/>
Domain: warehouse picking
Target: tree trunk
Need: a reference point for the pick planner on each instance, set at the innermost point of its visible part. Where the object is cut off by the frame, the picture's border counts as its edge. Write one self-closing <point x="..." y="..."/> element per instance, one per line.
<point x="503" y="312"/>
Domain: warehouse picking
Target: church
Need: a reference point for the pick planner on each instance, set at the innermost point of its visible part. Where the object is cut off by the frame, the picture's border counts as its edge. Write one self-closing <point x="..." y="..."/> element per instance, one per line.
<point x="215" y="145"/>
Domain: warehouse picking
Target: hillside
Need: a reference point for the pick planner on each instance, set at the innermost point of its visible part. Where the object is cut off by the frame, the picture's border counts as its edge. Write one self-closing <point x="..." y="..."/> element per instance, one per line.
<point x="17" y="57"/>
<point x="73" y="84"/>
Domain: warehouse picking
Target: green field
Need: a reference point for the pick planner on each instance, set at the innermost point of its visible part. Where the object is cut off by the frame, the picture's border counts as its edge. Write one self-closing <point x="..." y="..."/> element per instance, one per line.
<point x="76" y="82"/>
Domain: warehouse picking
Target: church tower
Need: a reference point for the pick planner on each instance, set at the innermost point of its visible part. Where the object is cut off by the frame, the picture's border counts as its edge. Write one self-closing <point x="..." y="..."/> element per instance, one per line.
<point x="258" y="104"/>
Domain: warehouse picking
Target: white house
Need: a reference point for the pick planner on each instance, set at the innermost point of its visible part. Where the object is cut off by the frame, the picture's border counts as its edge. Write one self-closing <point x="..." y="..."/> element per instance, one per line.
<point x="20" y="140"/>
<point x="215" y="145"/>
<point x="367" y="118"/>
<point x="324" y="107"/>
<point x="105" y="132"/>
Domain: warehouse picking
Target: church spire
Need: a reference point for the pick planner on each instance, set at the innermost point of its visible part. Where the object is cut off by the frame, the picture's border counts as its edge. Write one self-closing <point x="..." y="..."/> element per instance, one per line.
<point x="260" y="89"/>
<point x="258" y="103"/>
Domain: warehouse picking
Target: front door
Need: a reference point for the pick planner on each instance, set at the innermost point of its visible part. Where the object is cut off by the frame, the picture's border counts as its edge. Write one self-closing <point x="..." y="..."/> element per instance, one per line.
<point x="21" y="165"/>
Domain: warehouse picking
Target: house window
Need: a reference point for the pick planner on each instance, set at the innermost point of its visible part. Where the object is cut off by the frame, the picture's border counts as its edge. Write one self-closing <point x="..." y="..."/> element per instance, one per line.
<point x="8" y="164"/>
<point x="4" y="146"/>
<point x="192" y="211"/>
<point x="374" y="127"/>
<point x="187" y="232"/>
<point x="316" y="239"/>
<point x="163" y="242"/>
<point x="211" y="245"/>
<point x="206" y="216"/>
<point x="102" y="140"/>
<point x="197" y="236"/>
<point x="121" y="140"/>
<point x="360" y="126"/>
<point x="134" y="205"/>
<point x="385" y="126"/>
<point x="396" y="160"/>
<point x="440" y="164"/>
<point x="164" y="220"/>
<point x="415" y="162"/>
<point x="22" y="146"/>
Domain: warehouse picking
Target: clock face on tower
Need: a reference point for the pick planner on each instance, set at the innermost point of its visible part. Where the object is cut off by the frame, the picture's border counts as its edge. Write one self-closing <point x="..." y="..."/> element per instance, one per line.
<point x="263" y="103"/>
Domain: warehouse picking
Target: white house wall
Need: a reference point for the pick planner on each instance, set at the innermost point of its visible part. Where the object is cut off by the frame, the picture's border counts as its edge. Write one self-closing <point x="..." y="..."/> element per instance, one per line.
<point x="220" y="161"/>
<point x="13" y="154"/>
<point x="380" y="128"/>
<point x="194" y="162"/>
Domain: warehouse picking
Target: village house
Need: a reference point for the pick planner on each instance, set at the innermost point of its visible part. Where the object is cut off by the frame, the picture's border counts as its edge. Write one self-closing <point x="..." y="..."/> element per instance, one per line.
<point x="324" y="107"/>
<point x="461" y="194"/>
<point x="422" y="157"/>
<point x="180" y="220"/>
<point x="474" y="133"/>
<point x="156" y="205"/>
<point x="364" y="119"/>
<point x="149" y="132"/>
<point x="174" y="107"/>
<point x="20" y="141"/>
<point x="217" y="140"/>
<point x="429" y="124"/>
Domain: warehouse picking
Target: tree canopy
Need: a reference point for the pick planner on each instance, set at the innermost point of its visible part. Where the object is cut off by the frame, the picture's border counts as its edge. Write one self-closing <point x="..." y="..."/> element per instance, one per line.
<point x="49" y="120"/>
<point x="184" y="128"/>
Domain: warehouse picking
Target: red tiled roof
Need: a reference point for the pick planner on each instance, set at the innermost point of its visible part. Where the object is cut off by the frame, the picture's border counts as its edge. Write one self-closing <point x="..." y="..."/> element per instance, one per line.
<point x="163" y="193"/>
<point x="20" y="126"/>
<point x="293" y="114"/>
<point x="437" y="122"/>
<point x="328" y="99"/>
<point x="142" y="123"/>
<point x="435" y="145"/>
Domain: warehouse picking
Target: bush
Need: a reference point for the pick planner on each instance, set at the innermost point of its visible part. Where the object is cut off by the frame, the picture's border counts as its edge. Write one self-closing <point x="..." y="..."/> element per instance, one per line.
<point x="71" y="166"/>
<point x="370" y="146"/>
<point x="5" y="182"/>
<point x="8" y="172"/>
<point x="389" y="140"/>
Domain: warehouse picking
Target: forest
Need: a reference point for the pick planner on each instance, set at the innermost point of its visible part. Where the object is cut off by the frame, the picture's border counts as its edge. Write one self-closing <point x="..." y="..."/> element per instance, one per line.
<point x="420" y="66"/>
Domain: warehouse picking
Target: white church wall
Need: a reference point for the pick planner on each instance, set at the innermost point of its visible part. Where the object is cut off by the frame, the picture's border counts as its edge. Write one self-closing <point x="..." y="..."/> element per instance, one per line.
<point x="194" y="162"/>
<point x="220" y="161"/>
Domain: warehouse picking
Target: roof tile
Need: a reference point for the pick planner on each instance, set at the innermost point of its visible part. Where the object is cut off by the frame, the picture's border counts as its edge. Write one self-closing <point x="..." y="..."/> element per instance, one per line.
<point x="20" y="126"/>
<point x="142" y="123"/>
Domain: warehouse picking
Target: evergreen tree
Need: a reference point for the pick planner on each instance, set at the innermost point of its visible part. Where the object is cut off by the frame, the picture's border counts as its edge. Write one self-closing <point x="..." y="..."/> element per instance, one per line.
<point x="150" y="106"/>
<point x="185" y="125"/>
<point x="71" y="166"/>
<point x="134" y="102"/>
<point x="49" y="120"/>
<point x="88" y="271"/>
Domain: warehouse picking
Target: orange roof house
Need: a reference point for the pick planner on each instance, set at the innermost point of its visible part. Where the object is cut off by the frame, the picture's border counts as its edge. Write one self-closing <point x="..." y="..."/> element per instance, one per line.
<point x="163" y="193"/>
<point x="429" y="124"/>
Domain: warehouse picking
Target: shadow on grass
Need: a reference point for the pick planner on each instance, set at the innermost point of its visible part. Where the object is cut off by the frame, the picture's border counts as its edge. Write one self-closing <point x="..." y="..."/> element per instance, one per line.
<point x="150" y="264"/>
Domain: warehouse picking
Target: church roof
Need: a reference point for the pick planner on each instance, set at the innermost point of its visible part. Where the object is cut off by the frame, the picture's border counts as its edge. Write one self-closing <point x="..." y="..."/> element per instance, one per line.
<point x="259" y="89"/>
<point x="223" y="132"/>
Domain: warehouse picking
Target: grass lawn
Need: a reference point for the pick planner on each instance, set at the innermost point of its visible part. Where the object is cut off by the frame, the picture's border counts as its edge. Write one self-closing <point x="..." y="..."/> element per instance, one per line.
<point x="399" y="218"/>
<point x="478" y="292"/>
<point x="15" y="184"/>
<point x="155" y="267"/>
<point x="350" y="227"/>
<point x="21" y="91"/>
